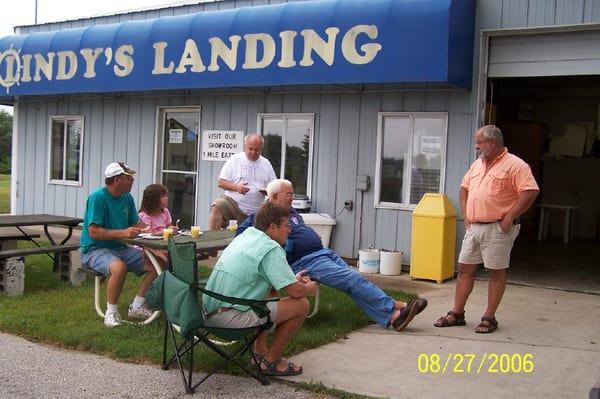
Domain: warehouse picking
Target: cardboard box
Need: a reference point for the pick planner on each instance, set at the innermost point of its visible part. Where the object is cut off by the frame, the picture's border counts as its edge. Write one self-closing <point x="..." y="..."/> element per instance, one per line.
<point x="572" y="142"/>
<point x="590" y="137"/>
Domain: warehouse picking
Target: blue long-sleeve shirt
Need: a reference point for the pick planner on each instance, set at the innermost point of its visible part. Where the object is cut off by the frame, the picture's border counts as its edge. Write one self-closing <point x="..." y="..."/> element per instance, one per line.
<point x="302" y="241"/>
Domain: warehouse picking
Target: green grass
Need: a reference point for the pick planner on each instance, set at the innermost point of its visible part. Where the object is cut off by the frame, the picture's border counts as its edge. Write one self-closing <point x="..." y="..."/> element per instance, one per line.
<point x="4" y="193"/>
<point x="56" y="313"/>
<point x="321" y="390"/>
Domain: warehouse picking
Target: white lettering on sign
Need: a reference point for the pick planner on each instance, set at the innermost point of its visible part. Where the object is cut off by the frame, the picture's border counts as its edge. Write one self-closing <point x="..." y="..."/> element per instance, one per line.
<point x="261" y="50"/>
<point x="219" y="145"/>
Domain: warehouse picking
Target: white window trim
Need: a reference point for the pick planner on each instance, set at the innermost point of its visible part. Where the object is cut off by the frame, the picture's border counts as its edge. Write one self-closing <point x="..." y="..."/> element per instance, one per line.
<point x="63" y="182"/>
<point x="309" y="116"/>
<point x="412" y="116"/>
<point x="161" y="112"/>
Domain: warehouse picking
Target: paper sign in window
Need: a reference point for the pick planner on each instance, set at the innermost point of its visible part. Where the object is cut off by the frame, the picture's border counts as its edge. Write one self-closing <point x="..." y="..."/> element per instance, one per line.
<point x="175" y="136"/>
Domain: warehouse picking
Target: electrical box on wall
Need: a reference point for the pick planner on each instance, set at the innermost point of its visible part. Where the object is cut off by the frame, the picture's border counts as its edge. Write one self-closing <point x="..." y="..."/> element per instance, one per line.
<point x="362" y="182"/>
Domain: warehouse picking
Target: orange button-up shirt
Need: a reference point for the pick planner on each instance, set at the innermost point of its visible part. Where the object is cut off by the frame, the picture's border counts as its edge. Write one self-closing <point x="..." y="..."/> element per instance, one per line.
<point x="494" y="190"/>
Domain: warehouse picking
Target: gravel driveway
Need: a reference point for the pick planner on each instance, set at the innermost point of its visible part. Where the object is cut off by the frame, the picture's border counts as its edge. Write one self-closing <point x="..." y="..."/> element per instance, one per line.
<point x="32" y="370"/>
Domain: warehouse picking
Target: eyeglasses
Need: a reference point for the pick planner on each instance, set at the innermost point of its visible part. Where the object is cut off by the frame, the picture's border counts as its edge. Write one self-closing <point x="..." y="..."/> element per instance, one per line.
<point x="287" y="194"/>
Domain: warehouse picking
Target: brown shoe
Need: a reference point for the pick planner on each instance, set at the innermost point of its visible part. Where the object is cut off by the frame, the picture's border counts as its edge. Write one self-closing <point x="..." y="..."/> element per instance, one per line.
<point x="405" y="316"/>
<point x="421" y="304"/>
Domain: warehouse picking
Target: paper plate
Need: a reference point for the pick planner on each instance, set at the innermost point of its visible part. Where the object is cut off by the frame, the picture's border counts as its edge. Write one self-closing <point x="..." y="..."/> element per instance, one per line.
<point x="149" y="236"/>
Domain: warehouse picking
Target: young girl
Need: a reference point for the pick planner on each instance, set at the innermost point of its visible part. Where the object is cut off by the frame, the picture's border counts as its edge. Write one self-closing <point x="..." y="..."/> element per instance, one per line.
<point x="155" y="214"/>
<point x="153" y="211"/>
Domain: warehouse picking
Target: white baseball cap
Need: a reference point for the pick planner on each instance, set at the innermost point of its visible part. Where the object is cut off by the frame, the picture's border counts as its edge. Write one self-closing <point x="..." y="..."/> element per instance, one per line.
<point x="118" y="168"/>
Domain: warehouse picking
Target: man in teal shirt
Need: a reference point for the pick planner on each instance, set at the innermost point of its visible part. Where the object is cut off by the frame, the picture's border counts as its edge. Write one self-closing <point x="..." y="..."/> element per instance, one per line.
<point x="248" y="268"/>
<point x="110" y="215"/>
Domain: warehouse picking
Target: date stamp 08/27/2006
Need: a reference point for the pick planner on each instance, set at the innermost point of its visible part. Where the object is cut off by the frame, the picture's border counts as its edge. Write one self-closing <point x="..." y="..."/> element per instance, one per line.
<point x="472" y="363"/>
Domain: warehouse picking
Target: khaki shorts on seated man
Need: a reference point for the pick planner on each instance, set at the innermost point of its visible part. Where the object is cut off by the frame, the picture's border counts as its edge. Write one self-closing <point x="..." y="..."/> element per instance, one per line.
<point x="229" y="210"/>
<point x="243" y="177"/>
<point x="248" y="268"/>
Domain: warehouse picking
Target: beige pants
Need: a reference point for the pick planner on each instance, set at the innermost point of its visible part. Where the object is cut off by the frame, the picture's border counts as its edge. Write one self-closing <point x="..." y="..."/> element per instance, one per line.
<point x="230" y="210"/>
<point x="486" y="243"/>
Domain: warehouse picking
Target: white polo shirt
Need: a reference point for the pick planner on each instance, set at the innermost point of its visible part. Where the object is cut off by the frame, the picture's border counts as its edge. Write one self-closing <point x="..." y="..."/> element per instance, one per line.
<point x="257" y="174"/>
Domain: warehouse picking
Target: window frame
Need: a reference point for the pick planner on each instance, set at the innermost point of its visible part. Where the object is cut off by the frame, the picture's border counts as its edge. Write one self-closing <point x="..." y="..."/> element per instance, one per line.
<point x="379" y="158"/>
<point x="63" y="181"/>
<point x="159" y="143"/>
<point x="260" y="117"/>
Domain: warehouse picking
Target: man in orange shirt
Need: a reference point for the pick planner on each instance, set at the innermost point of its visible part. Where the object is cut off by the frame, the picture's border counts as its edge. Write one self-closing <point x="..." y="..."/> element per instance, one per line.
<point x="497" y="189"/>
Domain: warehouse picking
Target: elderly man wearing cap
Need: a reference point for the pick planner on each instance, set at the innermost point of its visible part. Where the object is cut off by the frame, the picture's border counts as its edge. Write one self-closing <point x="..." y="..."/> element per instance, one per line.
<point x="110" y="215"/>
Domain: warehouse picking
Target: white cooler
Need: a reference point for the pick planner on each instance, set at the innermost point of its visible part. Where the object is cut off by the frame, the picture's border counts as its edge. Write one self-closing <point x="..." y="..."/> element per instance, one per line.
<point x="321" y="223"/>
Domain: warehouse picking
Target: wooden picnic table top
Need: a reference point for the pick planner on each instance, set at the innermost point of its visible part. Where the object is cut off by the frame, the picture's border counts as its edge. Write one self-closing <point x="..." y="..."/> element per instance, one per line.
<point x="37" y="220"/>
<point x="208" y="241"/>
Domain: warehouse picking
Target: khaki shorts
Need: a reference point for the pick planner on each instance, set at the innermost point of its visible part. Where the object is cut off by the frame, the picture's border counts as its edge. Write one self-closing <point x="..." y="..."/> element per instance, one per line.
<point x="230" y="210"/>
<point x="237" y="319"/>
<point x="486" y="243"/>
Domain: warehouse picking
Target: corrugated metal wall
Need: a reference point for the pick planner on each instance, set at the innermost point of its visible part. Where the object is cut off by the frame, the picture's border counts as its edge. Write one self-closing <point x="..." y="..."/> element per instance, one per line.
<point x="345" y="145"/>
<point x="345" y="130"/>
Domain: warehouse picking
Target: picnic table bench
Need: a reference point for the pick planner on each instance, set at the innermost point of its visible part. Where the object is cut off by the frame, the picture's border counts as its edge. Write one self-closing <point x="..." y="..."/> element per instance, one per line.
<point x="9" y="238"/>
<point x="14" y="236"/>
<point x="18" y="252"/>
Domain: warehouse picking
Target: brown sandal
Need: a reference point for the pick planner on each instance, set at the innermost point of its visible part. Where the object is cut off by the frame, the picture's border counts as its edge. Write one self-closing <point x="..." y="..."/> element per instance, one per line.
<point x="487" y="326"/>
<point x="271" y="368"/>
<point x="459" y="320"/>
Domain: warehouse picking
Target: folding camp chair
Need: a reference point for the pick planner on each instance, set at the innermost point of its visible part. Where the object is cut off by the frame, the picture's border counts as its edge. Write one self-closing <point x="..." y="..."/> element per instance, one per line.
<point x="176" y="292"/>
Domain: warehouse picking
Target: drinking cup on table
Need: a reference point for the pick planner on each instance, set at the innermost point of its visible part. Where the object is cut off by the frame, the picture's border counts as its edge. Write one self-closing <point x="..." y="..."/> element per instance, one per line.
<point x="167" y="233"/>
<point x="195" y="230"/>
<point x="232" y="225"/>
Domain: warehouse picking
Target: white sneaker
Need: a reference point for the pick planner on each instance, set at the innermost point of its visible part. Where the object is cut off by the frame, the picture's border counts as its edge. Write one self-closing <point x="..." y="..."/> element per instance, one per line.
<point x="112" y="319"/>
<point x="140" y="312"/>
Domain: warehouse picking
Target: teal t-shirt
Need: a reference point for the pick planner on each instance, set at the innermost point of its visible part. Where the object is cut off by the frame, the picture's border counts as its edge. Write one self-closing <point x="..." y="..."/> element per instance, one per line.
<point x="247" y="269"/>
<point x="108" y="212"/>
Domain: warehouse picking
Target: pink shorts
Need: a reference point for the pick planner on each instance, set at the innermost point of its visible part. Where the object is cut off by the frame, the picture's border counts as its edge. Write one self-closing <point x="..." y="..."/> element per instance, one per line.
<point x="486" y="243"/>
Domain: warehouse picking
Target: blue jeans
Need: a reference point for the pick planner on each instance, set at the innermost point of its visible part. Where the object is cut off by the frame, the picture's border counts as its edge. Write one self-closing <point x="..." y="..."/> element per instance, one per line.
<point x="326" y="267"/>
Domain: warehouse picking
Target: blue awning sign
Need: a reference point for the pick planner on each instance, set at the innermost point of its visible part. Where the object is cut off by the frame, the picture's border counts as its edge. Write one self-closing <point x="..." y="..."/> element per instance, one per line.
<point x="316" y="42"/>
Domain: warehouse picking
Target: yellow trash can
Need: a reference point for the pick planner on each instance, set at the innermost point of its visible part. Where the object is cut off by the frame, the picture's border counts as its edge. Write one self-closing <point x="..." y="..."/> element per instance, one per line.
<point x="433" y="238"/>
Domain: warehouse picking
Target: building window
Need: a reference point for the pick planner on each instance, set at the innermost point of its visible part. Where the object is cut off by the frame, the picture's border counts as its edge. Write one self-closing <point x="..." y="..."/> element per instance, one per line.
<point x="288" y="146"/>
<point x="66" y="142"/>
<point x="411" y="155"/>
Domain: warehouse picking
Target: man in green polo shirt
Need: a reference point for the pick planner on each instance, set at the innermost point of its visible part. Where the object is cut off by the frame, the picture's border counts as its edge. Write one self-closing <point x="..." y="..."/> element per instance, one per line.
<point x="250" y="266"/>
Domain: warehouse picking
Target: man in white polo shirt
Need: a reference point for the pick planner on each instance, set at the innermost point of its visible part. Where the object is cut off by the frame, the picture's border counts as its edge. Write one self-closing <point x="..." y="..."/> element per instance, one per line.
<point x="244" y="178"/>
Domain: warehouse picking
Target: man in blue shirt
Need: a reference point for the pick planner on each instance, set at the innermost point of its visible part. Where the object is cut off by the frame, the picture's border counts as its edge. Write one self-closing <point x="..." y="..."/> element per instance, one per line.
<point x="305" y="251"/>
<point x="110" y="215"/>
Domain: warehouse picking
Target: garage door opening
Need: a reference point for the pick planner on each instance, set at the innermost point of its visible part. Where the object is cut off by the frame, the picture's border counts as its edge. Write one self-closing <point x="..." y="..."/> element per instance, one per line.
<point x="553" y="123"/>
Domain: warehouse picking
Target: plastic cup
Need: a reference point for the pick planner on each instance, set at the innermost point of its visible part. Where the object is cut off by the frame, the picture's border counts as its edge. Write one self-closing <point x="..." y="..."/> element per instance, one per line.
<point x="195" y="230"/>
<point x="232" y="225"/>
<point x="166" y="234"/>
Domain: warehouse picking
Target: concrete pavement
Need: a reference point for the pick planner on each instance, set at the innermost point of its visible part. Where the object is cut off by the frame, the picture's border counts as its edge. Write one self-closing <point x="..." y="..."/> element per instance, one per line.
<point x="559" y="331"/>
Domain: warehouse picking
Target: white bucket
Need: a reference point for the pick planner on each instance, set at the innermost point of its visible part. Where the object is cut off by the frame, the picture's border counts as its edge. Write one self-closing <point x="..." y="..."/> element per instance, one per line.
<point x="368" y="260"/>
<point x="390" y="263"/>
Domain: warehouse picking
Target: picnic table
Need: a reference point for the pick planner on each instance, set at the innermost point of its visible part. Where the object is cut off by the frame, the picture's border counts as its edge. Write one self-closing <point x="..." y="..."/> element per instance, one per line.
<point x="8" y="248"/>
<point x="208" y="244"/>
<point x="45" y="220"/>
